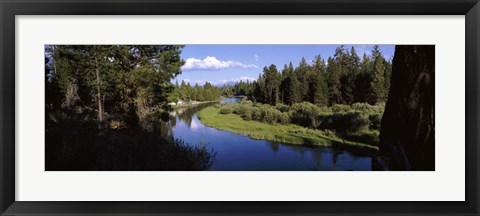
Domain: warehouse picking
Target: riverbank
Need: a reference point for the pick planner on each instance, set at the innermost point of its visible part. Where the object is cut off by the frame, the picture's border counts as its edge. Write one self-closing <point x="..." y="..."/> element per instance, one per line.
<point x="284" y="133"/>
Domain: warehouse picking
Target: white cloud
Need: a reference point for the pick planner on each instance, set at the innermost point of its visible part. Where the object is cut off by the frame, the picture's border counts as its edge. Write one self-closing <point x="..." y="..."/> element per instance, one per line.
<point x="212" y="63"/>
<point x="256" y="57"/>
<point x="194" y="125"/>
<point x="244" y="79"/>
<point x="200" y="82"/>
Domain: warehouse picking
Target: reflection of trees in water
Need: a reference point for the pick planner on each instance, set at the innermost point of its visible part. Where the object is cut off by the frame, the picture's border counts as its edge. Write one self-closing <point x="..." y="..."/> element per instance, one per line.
<point x="335" y="155"/>
<point x="187" y="117"/>
<point x="186" y="114"/>
<point x="301" y="151"/>
<point x="274" y="146"/>
<point x="317" y="157"/>
<point x="166" y="127"/>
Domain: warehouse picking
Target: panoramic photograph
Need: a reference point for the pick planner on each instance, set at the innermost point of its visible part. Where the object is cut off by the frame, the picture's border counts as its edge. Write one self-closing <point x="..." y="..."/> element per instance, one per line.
<point x="360" y="107"/>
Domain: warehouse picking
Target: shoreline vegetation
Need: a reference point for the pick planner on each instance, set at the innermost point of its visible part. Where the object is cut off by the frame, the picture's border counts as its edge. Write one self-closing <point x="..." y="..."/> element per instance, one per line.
<point x="261" y="121"/>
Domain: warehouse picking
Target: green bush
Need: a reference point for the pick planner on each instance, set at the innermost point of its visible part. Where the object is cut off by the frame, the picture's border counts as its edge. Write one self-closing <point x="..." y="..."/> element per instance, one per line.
<point x="241" y="109"/>
<point x="246" y="102"/>
<point x="283" y="118"/>
<point x="329" y="133"/>
<point x="305" y="114"/>
<point x="369" y="109"/>
<point x="247" y="113"/>
<point x="340" y="108"/>
<point x="375" y="121"/>
<point x="362" y="107"/>
<point x="269" y="114"/>
<point x="351" y="122"/>
<point x="226" y="110"/>
<point x="282" y="107"/>
<point x="257" y="114"/>
<point x="359" y="122"/>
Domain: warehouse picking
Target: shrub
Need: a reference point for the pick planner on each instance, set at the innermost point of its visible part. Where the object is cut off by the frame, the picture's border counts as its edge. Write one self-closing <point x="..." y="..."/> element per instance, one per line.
<point x="217" y="106"/>
<point x="283" y="118"/>
<point x="257" y="114"/>
<point x="225" y="110"/>
<point x="337" y="108"/>
<point x="305" y="114"/>
<point x="247" y="114"/>
<point x="241" y="109"/>
<point x="375" y="121"/>
<point x="358" y="122"/>
<point x="351" y="122"/>
<point x="362" y="107"/>
<point x="269" y="114"/>
<point x="329" y="133"/>
<point x="246" y="102"/>
<point x="282" y="107"/>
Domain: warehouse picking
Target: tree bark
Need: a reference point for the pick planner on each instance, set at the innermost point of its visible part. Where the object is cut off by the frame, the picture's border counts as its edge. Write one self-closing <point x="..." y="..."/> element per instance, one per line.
<point x="99" y="93"/>
<point x="407" y="133"/>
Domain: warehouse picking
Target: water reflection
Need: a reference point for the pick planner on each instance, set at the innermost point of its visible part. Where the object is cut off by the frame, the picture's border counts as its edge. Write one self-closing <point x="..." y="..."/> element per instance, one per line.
<point x="238" y="152"/>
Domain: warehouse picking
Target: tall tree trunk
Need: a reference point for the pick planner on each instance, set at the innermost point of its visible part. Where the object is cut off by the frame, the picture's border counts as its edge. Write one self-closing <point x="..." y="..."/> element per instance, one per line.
<point x="99" y="93"/>
<point x="408" y="125"/>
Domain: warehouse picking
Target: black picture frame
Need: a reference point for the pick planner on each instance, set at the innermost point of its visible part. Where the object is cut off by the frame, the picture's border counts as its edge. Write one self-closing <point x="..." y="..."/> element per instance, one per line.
<point x="9" y="9"/>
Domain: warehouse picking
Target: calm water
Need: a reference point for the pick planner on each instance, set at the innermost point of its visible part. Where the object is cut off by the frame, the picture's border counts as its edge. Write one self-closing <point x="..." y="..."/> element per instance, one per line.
<point x="238" y="152"/>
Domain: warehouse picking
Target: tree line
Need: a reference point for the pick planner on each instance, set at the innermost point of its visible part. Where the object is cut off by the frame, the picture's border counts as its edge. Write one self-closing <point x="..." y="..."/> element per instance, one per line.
<point x="186" y="93"/>
<point x="342" y="79"/>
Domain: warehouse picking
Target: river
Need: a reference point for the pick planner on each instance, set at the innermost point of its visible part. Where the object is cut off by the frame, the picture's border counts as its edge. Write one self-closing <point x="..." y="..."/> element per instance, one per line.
<point x="236" y="152"/>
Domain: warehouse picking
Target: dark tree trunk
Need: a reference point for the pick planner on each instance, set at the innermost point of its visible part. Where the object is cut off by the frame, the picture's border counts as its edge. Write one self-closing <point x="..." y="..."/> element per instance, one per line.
<point x="407" y="134"/>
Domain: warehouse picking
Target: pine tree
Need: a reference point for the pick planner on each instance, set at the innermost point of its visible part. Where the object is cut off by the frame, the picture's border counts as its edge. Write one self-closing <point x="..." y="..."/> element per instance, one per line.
<point x="363" y="80"/>
<point x="317" y="86"/>
<point x="350" y="67"/>
<point x="272" y="84"/>
<point x="259" y="94"/>
<point x="302" y="76"/>
<point x="379" y="92"/>
<point x="292" y="93"/>
<point x="333" y="80"/>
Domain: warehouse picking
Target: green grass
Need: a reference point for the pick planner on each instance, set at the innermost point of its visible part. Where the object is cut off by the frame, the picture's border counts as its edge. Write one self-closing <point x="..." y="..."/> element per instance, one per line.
<point x="290" y="133"/>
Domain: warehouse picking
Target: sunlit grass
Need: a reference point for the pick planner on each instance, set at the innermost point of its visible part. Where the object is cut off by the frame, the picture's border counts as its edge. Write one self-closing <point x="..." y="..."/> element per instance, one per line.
<point x="285" y="133"/>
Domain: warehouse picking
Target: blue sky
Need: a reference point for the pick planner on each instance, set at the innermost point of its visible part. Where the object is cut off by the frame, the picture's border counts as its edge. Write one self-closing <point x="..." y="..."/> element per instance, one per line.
<point x="219" y="64"/>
